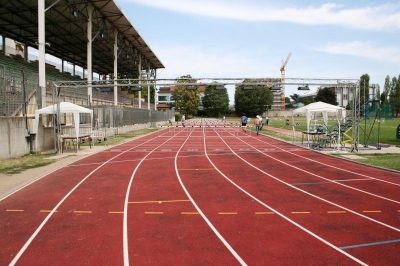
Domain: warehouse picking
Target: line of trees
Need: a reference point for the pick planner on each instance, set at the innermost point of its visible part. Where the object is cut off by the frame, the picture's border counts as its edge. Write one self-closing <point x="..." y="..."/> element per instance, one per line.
<point x="389" y="95"/>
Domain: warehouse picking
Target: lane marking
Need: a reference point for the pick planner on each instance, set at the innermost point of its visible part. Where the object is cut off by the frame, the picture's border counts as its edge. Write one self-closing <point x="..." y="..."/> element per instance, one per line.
<point x="212" y="227"/>
<point x="300" y="212"/>
<point x="272" y="209"/>
<point x="227" y="213"/>
<point x="116" y="212"/>
<point x="372" y="211"/>
<point x="153" y="213"/>
<point x="156" y="201"/>
<point x="82" y="211"/>
<point x="190" y="213"/>
<point x="336" y="211"/>
<point x="48" y="211"/>
<point x="196" y="169"/>
<point x="371" y="244"/>
<point x="14" y="210"/>
<point x="330" y="182"/>
<point x="265" y="213"/>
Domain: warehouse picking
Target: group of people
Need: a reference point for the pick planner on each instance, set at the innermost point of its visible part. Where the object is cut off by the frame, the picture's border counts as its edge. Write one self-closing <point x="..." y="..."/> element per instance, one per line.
<point x="258" y="122"/>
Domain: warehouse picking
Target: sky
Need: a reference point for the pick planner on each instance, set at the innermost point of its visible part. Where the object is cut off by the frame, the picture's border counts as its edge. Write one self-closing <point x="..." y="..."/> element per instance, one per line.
<point x="337" y="39"/>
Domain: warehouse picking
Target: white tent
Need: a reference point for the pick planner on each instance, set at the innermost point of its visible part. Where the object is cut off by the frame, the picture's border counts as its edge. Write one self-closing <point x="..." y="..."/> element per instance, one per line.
<point x="65" y="107"/>
<point x="319" y="107"/>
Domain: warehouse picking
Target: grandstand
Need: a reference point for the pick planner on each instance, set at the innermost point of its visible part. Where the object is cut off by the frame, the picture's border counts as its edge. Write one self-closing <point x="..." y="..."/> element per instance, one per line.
<point x="27" y="84"/>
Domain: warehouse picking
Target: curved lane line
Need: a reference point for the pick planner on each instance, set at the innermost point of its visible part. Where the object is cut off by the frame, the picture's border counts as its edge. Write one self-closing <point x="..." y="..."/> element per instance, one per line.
<point x="29" y="241"/>
<point x="277" y="212"/>
<point x="234" y="253"/>
<point x="306" y="192"/>
<point x="337" y="168"/>
<point x="332" y="181"/>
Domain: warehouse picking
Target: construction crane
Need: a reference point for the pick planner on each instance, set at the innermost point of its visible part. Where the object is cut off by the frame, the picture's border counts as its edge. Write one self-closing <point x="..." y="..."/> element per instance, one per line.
<point x="283" y="79"/>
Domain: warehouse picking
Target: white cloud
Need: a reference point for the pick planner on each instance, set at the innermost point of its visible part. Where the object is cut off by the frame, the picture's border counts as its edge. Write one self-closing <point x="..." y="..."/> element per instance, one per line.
<point x="215" y="64"/>
<point x="367" y="49"/>
<point x="377" y="17"/>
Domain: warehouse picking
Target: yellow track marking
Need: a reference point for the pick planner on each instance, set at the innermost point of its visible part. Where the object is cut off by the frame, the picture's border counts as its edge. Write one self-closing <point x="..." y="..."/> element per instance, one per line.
<point x="47" y="211"/>
<point x="336" y="211"/>
<point x="300" y="212"/>
<point x="372" y="211"/>
<point x="189" y="213"/>
<point x="82" y="211"/>
<point x="227" y="213"/>
<point x="153" y="213"/>
<point x="264" y="212"/>
<point x="157" y="201"/>
<point x="14" y="210"/>
<point x="116" y="212"/>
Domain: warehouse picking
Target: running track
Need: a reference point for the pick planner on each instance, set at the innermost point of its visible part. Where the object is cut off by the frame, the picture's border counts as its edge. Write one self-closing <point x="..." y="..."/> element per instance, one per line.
<point x="205" y="194"/>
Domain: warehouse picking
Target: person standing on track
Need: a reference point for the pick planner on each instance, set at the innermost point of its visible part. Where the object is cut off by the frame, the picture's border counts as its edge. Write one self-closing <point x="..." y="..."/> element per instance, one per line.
<point x="267" y="120"/>
<point x="183" y="120"/>
<point x="258" y="124"/>
<point x="243" y="121"/>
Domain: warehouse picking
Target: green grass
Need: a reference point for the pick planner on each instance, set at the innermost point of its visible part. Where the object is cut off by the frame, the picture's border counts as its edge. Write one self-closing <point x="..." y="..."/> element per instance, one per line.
<point x="387" y="129"/>
<point x="386" y="160"/>
<point x="18" y="165"/>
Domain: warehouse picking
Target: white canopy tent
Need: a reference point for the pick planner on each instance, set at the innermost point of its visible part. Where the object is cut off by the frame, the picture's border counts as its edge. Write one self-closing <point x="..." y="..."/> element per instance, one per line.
<point x="65" y="107"/>
<point x="318" y="107"/>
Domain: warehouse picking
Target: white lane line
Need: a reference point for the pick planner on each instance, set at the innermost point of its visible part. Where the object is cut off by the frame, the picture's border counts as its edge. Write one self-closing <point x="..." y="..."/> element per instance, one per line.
<point x="308" y="193"/>
<point x="278" y="213"/>
<point x="29" y="241"/>
<point x="345" y="170"/>
<point x="321" y="177"/>
<point x="126" y="203"/>
<point x="234" y="253"/>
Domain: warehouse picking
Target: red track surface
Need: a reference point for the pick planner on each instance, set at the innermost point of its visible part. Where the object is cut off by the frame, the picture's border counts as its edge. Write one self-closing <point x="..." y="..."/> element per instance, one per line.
<point x="206" y="195"/>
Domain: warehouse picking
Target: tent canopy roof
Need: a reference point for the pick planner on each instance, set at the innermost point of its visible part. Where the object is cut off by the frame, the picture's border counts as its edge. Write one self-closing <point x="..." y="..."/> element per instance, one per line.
<point x="319" y="107"/>
<point x="65" y="107"/>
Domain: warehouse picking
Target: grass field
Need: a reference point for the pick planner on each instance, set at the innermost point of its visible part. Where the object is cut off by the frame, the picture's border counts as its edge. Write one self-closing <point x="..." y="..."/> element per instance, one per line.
<point x="370" y="130"/>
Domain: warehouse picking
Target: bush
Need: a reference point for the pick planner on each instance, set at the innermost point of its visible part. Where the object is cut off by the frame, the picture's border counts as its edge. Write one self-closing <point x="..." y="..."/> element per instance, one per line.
<point x="178" y="117"/>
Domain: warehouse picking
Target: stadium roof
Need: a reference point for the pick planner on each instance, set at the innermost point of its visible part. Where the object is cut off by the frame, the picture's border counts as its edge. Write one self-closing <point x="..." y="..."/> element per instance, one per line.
<point x="66" y="33"/>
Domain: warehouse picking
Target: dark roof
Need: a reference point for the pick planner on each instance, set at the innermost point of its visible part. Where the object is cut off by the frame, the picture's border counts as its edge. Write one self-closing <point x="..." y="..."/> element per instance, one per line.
<point x="66" y="33"/>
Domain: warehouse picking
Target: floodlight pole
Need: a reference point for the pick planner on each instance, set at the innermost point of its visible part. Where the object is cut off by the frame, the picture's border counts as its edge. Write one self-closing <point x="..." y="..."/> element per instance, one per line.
<point x="42" y="52"/>
<point x="89" y="52"/>
<point x="115" y="67"/>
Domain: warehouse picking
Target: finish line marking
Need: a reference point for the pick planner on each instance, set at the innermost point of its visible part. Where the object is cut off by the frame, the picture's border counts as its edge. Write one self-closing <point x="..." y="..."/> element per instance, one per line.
<point x="265" y="213"/>
<point x="372" y="211"/>
<point x="157" y="201"/>
<point x="227" y="213"/>
<point x="82" y="211"/>
<point x="300" y="212"/>
<point x="47" y="211"/>
<point x="336" y="211"/>
<point x="153" y="213"/>
<point x="190" y="213"/>
<point x="14" y="210"/>
<point x="371" y="244"/>
<point x="116" y="212"/>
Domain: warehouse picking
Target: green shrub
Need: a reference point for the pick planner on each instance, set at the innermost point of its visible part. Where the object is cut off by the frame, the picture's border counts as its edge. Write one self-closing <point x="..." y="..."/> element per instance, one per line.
<point x="178" y="117"/>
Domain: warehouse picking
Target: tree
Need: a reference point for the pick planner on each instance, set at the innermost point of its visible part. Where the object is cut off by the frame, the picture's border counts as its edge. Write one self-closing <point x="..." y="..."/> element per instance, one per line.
<point x="252" y="102"/>
<point x="186" y="101"/>
<point x="394" y="97"/>
<point x="215" y="102"/>
<point x="364" y="89"/>
<point x="295" y="98"/>
<point x="307" y="100"/>
<point x="386" y="90"/>
<point x="326" y="95"/>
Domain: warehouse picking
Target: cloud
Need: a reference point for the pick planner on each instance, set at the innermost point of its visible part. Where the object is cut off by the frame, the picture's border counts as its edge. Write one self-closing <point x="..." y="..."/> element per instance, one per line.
<point x="367" y="49"/>
<point x="184" y="60"/>
<point x="379" y="17"/>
